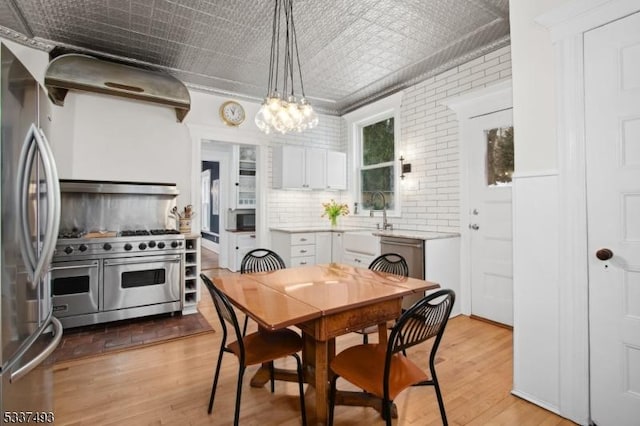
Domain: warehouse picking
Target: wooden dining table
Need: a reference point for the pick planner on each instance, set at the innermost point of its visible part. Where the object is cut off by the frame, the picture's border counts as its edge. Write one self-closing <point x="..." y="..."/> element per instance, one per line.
<point x="323" y="301"/>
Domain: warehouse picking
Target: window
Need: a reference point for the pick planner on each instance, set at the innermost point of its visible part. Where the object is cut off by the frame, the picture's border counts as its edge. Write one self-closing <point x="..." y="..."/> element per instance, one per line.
<point x="374" y="132"/>
<point x="499" y="156"/>
<point x="377" y="166"/>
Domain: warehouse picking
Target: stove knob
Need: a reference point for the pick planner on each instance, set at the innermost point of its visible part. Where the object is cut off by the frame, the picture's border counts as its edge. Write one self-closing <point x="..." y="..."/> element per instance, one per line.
<point x="161" y="245"/>
<point x="68" y="249"/>
<point x="152" y="244"/>
<point x="83" y="247"/>
<point x="106" y="246"/>
<point x="128" y="247"/>
<point x="174" y="244"/>
<point x="142" y="246"/>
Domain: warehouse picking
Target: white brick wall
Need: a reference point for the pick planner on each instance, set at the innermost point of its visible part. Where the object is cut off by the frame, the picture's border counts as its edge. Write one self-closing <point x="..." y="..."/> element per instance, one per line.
<point x="430" y="194"/>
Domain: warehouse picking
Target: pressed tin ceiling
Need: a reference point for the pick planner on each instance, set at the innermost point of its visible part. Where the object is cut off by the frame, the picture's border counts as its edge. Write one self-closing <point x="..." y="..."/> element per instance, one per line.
<point x="351" y="51"/>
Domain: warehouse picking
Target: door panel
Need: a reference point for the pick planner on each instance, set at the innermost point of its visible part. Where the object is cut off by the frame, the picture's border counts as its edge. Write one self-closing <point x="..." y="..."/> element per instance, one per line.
<point x="612" y="131"/>
<point x="490" y="220"/>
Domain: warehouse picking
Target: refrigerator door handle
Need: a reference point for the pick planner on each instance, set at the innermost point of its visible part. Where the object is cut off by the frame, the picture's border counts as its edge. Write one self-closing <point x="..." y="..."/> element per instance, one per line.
<point x="22" y="194"/>
<point x="53" y="205"/>
<point x="38" y="265"/>
<point x="35" y="361"/>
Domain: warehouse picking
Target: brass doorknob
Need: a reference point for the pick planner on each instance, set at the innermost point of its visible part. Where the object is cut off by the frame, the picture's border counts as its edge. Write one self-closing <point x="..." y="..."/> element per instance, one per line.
<point x="604" y="254"/>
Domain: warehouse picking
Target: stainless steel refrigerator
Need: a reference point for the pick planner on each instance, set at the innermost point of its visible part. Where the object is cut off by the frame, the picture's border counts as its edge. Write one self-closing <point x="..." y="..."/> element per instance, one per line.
<point x="30" y="204"/>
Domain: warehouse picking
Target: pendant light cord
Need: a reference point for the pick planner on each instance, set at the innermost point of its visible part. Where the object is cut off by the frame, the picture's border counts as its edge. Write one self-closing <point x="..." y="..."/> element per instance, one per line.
<point x="295" y="39"/>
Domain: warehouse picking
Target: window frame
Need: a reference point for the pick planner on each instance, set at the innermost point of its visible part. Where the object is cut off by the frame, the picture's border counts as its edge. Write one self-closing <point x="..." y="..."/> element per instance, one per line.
<point x="356" y="121"/>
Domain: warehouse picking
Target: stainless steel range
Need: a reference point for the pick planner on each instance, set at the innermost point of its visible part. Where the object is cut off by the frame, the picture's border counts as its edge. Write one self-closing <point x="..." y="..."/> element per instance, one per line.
<point x="99" y="279"/>
<point x="131" y="271"/>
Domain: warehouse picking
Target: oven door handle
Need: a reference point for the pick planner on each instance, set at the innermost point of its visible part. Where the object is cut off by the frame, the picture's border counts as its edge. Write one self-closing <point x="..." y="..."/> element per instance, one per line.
<point x="63" y="268"/>
<point x="137" y="261"/>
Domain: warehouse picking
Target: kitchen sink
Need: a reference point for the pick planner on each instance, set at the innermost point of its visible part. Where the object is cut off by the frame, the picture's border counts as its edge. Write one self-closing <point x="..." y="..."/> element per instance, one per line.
<point x="361" y="242"/>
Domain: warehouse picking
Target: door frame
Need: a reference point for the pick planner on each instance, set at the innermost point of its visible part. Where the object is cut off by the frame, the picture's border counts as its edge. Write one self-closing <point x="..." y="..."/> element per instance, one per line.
<point x="200" y="133"/>
<point x="494" y="98"/>
<point x="567" y="25"/>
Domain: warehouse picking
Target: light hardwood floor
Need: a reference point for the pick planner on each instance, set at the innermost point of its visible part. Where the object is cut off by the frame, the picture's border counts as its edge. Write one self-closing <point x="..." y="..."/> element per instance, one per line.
<point x="169" y="384"/>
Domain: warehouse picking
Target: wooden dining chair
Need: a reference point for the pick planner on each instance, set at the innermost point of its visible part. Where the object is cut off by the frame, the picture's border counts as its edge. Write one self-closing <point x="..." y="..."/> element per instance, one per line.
<point x="391" y="263"/>
<point x="384" y="371"/>
<point x="259" y="260"/>
<point x="256" y="348"/>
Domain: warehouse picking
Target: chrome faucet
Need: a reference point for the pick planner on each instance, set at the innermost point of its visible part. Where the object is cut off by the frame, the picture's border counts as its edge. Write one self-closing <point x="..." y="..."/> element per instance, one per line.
<point x="385" y="225"/>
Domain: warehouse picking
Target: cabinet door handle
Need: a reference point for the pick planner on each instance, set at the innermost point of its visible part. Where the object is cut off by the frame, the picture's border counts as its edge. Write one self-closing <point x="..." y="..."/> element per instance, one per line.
<point x="303" y="239"/>
<point x="303" y="251"/>
<point x="303" y="263"/>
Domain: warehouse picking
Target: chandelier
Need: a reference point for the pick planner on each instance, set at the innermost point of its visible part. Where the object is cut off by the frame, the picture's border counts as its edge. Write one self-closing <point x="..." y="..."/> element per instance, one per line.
<point x="287" y="112"/>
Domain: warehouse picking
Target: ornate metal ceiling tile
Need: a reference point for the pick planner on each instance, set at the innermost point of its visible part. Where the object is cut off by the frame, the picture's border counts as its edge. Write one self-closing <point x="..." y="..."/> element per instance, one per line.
<point x="352" y="52"/>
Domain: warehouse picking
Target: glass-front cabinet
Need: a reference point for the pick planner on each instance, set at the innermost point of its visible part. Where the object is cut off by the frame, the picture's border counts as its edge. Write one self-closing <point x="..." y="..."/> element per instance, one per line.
<point x="244" y="173"/>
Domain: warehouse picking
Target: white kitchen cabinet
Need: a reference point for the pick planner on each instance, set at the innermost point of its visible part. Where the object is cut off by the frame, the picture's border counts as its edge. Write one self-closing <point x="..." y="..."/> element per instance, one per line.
<point x="243" y="172"/>
<point x="336" y="247"/>
<point x="316" y="168"/>
<point x="323" y="247"/>
<point x="296" y="249"/>
<point x="336" y="170"/>
<point x="296" y="167"/>
<point x="191" y="275"/>
<point x="240" y="243"/>
<point x="442" y="265"/>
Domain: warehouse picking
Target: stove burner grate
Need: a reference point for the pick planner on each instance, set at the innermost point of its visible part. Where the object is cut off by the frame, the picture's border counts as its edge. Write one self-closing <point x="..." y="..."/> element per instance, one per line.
<point x="142" y="232"/>
<point x="74" y="233"/>
<point x="164" y="232"/>
<point x="134" y="233"/>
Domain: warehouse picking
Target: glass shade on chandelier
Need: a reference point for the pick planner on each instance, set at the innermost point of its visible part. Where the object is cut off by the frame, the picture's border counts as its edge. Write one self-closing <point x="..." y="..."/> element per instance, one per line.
<point x="284" y="116"/>
<point x="292" y="113"/>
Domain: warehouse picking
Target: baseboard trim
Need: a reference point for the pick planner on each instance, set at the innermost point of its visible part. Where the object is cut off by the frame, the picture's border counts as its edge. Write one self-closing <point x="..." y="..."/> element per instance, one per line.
<point x="536" y="401"/>
<point x="499" y="324"/>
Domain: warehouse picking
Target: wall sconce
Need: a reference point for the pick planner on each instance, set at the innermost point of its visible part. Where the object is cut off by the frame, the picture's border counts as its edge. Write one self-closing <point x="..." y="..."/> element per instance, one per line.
<point x="405" y="168"/>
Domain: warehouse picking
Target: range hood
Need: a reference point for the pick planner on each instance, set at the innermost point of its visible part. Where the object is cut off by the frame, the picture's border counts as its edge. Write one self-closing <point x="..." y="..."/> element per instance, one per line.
<point x="83" y="72"/>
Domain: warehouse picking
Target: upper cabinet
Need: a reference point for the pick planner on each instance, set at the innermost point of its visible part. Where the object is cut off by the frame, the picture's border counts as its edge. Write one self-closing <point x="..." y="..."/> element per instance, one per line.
<point x="296" y="167"/>
<point x="336" y="170"/>
<point x="243" y="195"/>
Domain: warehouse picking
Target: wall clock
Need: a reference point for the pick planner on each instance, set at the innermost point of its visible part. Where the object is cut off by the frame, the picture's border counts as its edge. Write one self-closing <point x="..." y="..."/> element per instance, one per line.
<point x="232" y="113"/>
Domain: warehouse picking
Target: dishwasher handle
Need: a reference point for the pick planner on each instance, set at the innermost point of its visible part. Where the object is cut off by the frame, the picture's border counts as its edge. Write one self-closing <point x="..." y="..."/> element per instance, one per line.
<point x="400" y="243"/>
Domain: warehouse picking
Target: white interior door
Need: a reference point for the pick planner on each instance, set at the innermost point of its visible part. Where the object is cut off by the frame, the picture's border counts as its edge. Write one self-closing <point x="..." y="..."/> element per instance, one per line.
<point x="612" y="98"/>
<point x="490" y="223"/>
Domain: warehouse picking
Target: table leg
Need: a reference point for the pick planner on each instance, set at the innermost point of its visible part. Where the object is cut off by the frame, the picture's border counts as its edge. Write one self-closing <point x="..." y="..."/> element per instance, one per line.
<point x="382" y="334"/>
<point x="317" y="356"/>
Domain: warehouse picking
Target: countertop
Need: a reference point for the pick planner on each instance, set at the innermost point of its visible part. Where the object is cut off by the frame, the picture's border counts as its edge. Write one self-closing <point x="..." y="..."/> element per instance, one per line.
<point x="418" y="235"/>
<point x="240" y="231"/>
<point x="299" y="229"/>
<point x="400" y="233"/>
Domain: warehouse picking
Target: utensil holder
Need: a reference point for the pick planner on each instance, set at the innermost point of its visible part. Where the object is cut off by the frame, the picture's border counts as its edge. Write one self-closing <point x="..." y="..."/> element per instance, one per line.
<point x="185" y="226"/>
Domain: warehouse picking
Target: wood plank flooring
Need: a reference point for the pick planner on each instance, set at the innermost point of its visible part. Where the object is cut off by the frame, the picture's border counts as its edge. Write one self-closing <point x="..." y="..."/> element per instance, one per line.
<point x="169" y="384"/>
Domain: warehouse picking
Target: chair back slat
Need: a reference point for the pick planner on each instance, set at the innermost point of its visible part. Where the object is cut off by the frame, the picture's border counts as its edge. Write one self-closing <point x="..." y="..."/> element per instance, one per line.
<point x="391" y="263"/>
<point x="225" y="311"/>
<point x="425" y="319"/>
<point x="261" y="260"/>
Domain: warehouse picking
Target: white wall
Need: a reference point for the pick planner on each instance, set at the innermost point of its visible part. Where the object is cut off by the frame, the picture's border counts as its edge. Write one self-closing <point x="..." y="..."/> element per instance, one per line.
<point x="534" y="112"/>
<point x="538" y="369"/>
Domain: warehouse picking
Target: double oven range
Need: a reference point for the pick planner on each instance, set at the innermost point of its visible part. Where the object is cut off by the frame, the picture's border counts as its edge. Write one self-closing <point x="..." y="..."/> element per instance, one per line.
<point x="97" y="278"/>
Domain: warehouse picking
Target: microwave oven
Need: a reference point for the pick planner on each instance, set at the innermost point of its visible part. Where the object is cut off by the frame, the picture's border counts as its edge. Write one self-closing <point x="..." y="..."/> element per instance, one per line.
<point x="246" y="221"/>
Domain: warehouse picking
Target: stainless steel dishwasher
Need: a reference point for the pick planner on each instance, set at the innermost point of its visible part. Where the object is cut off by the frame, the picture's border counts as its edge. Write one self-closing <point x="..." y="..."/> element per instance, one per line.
<point x="412" y="250"/>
